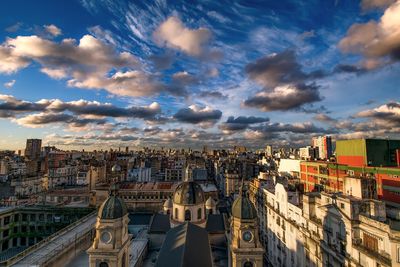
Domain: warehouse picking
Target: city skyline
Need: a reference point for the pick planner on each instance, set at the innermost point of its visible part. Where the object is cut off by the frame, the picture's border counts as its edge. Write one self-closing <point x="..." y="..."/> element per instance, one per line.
<point x="89" y="74"/>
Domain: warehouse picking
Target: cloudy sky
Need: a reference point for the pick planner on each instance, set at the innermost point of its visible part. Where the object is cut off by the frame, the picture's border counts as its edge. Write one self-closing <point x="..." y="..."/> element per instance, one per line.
<point x="99" y="74"/>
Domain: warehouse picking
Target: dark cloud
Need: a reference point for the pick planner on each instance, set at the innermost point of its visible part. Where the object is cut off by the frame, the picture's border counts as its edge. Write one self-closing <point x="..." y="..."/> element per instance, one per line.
<point x="162" y="62"/>
<point x="196" y="115"/>
<point x="374" y="4"/>
<point x="11" y="106"/>
<point x="83" y="107"/>
<point x="288" y="97"/>
<point x="277" y="69"/>
<point x="240" y="123"/>
<point x="306" y="127"/>
<point x="48" y="118"/>
<point x="246" y="120"/>
<point x="387" y="114"/>
<point x="324" y="118"/>
<point x="179" y="83"/>
<point x="212" y="94"/>
<point x="346" y="68"/>
<point x="284" y="83"/>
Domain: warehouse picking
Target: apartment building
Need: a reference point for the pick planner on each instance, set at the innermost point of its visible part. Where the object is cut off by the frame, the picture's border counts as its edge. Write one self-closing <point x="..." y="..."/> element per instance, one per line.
<point x="324" y="229"/>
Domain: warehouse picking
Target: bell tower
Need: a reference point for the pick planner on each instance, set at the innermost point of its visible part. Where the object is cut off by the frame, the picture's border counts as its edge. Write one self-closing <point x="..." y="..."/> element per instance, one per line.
<point x="245" y="247"/>
<point x="111" y="245"/>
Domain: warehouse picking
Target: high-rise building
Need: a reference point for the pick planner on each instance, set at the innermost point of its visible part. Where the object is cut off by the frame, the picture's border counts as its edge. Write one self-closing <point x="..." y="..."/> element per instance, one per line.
<point x="268" y="151"/>
<point x="368" y="152"/>
<point x="324" y="144"/>
<point x="33" y="148"/>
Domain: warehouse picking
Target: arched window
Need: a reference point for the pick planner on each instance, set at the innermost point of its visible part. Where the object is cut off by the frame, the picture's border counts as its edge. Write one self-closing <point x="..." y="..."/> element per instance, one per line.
<point x="210" y="211"/>
<point x="176" y="213"/>
<point x="199" y="214"/>
<point x="248" y="264"/>
<point x="103" y="264"/>
<point x="188" y="215"/>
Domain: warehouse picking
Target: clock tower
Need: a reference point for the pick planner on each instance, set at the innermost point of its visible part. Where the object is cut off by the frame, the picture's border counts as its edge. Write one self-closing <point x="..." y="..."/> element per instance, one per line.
<point x="246" y="249"/>
<point x="111" y="245"/>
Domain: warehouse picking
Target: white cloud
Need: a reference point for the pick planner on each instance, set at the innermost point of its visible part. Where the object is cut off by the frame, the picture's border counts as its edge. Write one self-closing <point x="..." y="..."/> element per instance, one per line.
<point x="52" y="29"/>
<point x="9" y="84"/>
<point x="90" y="64"/>
<point x="174" y="34"/>
<point x="375" y="40"/>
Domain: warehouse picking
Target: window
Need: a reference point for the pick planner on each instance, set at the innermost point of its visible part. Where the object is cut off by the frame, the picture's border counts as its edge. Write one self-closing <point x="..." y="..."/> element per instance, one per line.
<point x="188" y="215"/>
<point x="342" y="205"/>
<point x="398" y="254"/>
<point x="370" y="242"/>
<point x="248" y="264"/>
<point x="176" y="213"/>
<point x="6" y="220"/>
<point x="199" y="214"/>
<point x="103" y="264"/>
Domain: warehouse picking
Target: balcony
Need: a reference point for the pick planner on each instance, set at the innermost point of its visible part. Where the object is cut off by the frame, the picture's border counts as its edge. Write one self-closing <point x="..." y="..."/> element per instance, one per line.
<point x="380" y="256"/>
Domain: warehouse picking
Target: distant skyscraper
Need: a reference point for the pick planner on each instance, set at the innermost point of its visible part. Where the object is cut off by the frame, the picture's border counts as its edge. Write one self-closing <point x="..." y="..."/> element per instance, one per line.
<point x="33" y="147"/>
<point x="268" y="151"/>
<point x="324" y="144"/>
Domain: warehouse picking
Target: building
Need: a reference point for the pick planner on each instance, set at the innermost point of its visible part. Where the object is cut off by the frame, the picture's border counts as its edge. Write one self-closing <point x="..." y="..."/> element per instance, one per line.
<point x="308" y="153"/>
<point x="33" y="148"/>
<point x="25" y="186"/>
<point x="368" y="152"/>
<point x="245" y="247"/>
<point x="323" y="229"/>
<point x="174" y="174"/>
<point x="232" y="182"/>
<point x="139" y="174"/>
<point x="112" y="241"/>
<point x="82" y="178"/>
<point x="330" y="177"/>
<point x="268" y="151"/>
<point x="324" y="145"/>
<point x="22" y="227"/>
<point x="289" y="167"/>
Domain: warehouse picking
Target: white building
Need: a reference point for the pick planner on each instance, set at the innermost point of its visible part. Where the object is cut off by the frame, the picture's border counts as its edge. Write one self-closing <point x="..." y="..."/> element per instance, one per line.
<point x="82" y="178"/>
<point x="289" y="166"/>
<point x="139" y="174"/>
<point x="321" y="229"/>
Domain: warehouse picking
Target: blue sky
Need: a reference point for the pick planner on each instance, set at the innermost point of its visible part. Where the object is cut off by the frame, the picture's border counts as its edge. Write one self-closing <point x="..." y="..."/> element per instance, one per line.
<point x="99" y="74"/>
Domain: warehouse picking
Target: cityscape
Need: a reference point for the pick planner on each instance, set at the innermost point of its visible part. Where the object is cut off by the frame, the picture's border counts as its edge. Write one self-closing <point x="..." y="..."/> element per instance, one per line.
<point x="200" y="133"/>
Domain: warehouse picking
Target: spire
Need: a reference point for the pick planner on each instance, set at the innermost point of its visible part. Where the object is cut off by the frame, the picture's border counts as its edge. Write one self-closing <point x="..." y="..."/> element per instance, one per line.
<point x="188" y="173"/>
<point x="114" y="189"/>
<point x="242" y="192"/>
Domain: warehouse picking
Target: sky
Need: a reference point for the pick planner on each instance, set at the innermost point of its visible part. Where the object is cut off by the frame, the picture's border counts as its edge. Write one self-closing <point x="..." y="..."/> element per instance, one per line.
<point x="103" y="74"/>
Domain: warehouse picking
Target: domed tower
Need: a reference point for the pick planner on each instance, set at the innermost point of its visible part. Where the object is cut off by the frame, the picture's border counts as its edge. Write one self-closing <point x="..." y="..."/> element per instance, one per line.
<point x="111" y="244"/>
<point x="168" y="206"/>
<point x="116" y="172"/>
<point x="188" y="203"/>
<point x="211" y="206"/>
<point x="245" y="247"/>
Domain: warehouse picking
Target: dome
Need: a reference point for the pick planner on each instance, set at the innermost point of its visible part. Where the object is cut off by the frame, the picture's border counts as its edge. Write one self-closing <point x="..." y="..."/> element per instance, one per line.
<point x="116" y="168"/>
<point x="210" y="202"/>
<point x="168" y="203"/>
<point x="242" y="208"/>
<point x="188" y="193"/>
<point x="114" y="207"/>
